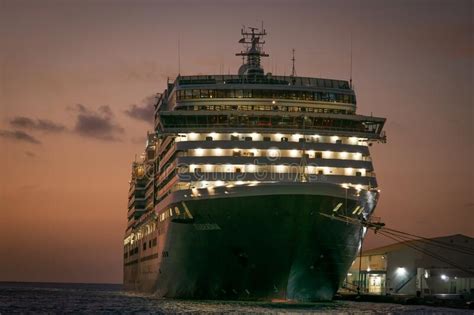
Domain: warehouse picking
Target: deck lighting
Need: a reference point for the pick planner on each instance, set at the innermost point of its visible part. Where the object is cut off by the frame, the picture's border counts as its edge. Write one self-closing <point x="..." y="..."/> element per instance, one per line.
<point x="193" y="136"/>
<point x="199" y="152"/>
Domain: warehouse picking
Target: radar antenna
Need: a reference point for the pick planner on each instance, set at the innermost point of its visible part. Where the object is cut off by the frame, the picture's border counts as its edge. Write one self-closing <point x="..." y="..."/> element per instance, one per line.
<point x="253" y="44"/>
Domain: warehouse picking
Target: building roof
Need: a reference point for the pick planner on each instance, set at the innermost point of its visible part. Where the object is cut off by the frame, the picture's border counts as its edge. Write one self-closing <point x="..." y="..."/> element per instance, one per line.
<point x="448" y="240"/>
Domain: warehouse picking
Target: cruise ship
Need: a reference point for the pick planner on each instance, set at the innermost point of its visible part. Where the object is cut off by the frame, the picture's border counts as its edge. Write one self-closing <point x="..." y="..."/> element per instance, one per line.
<point x="233" y="195"/>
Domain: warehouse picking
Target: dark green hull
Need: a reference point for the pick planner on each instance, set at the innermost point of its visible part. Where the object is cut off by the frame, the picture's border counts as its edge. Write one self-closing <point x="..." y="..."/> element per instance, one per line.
<point x="254" y="247"/>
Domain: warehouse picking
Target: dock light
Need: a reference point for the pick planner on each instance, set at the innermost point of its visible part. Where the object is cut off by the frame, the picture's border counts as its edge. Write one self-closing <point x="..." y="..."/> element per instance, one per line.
<point x="444" y="277"/>
<point x="349" y="274"/>
<point x="427" y="274"/>
<point x="273" y="102"/>
<point x="401" y="271"/>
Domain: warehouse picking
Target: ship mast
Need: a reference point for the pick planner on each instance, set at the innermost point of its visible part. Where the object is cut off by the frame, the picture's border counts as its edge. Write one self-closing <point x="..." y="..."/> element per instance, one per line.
<point x="253" y="52"/>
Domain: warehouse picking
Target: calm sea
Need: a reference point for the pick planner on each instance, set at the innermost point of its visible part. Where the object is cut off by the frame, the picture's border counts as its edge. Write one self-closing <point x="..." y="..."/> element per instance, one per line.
<point x="106" y="298"/>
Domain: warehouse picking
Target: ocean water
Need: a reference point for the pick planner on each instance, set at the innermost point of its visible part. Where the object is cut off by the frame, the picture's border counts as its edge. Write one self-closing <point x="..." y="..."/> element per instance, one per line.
<point x="53" y="298"/>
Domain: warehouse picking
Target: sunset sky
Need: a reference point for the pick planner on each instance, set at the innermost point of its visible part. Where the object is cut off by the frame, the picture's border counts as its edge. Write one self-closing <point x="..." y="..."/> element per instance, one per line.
<point x="76" y="80"/>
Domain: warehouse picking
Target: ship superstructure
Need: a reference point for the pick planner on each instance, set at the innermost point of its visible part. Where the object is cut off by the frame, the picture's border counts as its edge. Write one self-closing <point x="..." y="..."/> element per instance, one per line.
<point x="226" y="200"/>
